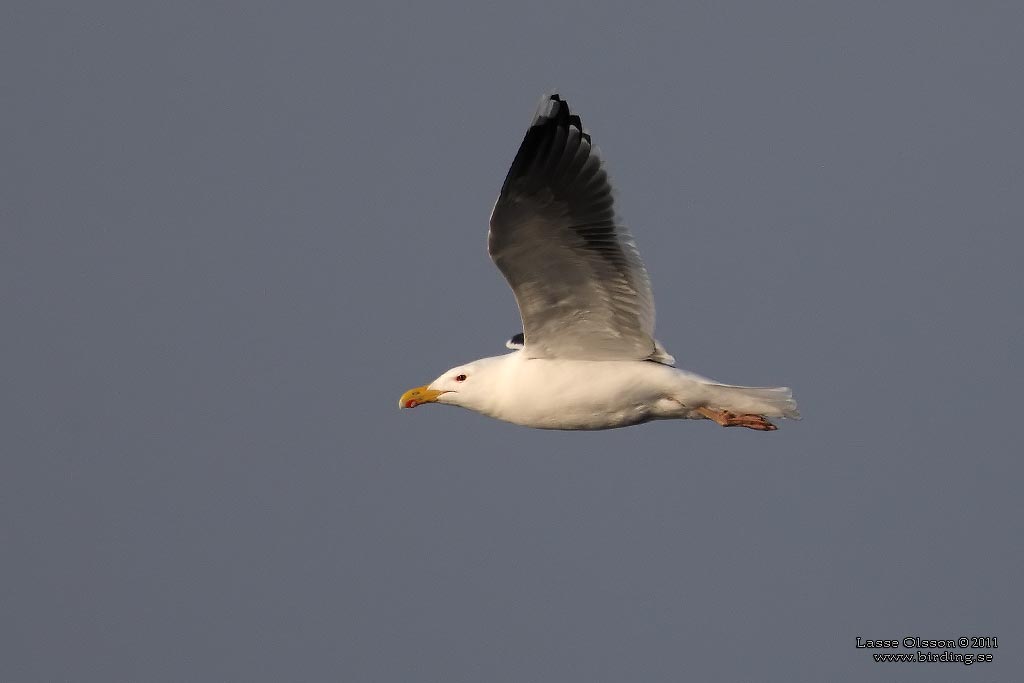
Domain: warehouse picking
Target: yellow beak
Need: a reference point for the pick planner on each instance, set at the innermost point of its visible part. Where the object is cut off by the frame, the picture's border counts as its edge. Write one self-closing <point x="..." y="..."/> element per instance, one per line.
<point x="418" y="395"/>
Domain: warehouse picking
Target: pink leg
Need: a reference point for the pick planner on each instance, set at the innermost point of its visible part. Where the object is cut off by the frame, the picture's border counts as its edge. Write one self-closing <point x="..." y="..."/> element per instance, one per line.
<point x="727" y="419"/>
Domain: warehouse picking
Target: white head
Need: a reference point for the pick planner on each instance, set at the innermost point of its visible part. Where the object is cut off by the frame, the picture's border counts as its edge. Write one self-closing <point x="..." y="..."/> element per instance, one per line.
<point x="471" y="386"/>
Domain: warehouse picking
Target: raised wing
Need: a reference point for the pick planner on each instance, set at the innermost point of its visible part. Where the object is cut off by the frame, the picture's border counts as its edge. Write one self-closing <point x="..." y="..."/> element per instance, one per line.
<point x="577" y="276"/>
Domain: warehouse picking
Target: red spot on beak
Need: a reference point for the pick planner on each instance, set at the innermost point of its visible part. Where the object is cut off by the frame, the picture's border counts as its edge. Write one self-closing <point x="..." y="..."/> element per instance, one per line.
<point x="411" y="403"/>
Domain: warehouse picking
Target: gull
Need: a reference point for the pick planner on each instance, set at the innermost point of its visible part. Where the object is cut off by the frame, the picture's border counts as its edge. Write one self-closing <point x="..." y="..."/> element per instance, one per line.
<point x="587" y="357"/>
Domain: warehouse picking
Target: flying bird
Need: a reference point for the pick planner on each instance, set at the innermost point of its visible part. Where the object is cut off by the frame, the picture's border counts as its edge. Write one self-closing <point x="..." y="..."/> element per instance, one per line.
<point x="587" y="357"/>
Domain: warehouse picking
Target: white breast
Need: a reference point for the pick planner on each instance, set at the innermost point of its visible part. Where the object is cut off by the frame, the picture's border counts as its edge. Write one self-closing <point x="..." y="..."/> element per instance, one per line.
<point x="574" y="394"/>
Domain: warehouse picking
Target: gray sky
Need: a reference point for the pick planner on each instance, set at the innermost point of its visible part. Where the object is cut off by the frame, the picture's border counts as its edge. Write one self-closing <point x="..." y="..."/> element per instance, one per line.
<point x="233" y="233"/>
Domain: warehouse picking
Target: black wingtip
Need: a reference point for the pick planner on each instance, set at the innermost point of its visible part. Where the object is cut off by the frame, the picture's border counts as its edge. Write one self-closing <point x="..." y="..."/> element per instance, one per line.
<point x="554" y="108"/>
<point x="553" y="115"/>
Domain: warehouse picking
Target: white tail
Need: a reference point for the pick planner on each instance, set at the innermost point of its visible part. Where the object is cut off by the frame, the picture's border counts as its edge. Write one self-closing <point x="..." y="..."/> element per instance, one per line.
<point x="767" y="401"/>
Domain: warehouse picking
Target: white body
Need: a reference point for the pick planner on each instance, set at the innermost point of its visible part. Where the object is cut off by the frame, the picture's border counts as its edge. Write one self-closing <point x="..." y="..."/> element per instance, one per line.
<point x="583" y="394"/>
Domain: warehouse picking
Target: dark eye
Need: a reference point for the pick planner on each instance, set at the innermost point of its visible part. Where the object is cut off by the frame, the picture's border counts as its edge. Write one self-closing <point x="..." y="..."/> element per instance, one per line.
<point x="460" y="378"/>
